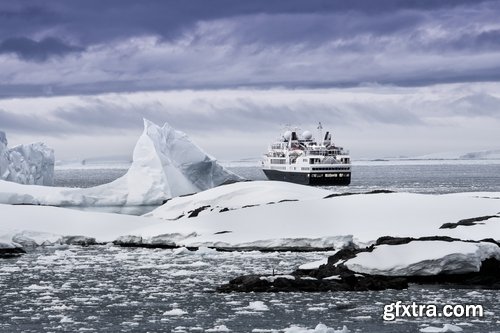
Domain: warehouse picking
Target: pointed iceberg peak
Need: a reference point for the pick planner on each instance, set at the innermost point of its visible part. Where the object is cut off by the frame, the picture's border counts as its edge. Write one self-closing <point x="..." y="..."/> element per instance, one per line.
<point x="166" y="164"/>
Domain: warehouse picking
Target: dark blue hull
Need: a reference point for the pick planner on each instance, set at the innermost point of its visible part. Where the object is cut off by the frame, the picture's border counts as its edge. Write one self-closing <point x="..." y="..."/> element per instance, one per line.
<point x="333" y="178"/>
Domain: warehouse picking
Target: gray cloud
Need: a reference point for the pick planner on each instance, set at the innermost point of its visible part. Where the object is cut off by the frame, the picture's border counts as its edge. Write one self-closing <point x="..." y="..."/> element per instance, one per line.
<point x="126" y="46"/>
<point x="29" y="49"/>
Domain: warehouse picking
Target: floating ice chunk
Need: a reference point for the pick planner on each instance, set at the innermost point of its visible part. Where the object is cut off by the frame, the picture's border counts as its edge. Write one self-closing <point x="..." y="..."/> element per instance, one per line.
<point x="257" y="306"/>
<point x="174" y="312"/>
<point x="26" y="164"/>
<point x="166" y="164"/>
<point x="320" y="328"/>
<point x="218" y="328"/>
<point x="445" y="328"/>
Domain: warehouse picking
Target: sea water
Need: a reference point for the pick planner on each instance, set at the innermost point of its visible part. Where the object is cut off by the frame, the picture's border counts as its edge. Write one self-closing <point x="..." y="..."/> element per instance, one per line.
<point x="111" y="289"/>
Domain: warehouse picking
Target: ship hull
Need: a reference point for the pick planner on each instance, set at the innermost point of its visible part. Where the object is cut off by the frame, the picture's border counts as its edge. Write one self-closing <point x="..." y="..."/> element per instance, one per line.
<point x="308" y="178"/>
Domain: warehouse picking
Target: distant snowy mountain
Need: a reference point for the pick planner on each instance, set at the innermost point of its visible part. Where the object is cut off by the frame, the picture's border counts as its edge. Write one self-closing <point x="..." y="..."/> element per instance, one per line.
<point x="483" y="154"/>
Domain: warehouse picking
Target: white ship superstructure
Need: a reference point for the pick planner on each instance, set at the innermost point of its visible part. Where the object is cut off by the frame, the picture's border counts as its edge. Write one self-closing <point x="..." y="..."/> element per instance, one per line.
<point x="301" y="159"/>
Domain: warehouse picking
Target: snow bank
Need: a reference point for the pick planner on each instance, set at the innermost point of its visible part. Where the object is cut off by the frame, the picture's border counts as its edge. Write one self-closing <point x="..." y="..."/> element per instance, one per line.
<point x="424" y="258"/>
<point x="27" y="163"/>
<point x="307" y="224"/>
<point x="165" y="164"/>
<point x="236" y="196"/>
<point x="334" y="221"/>
<point x="40" y="225"/>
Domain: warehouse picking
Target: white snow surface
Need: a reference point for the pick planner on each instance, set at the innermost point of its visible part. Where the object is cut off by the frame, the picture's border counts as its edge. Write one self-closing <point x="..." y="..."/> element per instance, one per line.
<point x="329" y="222"/>
<point x="26" y="164"/>
<point x="424" y="258"/>
<point x="314" y="264"/>
<point x="235" y="196"/>
<point x="166" y="164"/>
<point x="314" y="223"/>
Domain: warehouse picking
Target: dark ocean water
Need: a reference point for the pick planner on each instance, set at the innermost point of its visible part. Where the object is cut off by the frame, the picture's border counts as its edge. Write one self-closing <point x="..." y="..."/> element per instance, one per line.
<point x="433" y="177"/>
<point x="110" y="289"/>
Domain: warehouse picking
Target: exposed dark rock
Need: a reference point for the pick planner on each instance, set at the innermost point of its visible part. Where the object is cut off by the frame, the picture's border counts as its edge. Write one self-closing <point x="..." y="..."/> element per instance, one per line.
<point x="335" y="276"/>
<point x="195" y="212"/>
<point x="333" y="195"/>
<point x="288" y="200"/>
<point x="379" y="191"/>
<point x="79" y="240"/>
<point x="225" y="209"/>
<point x="254" y="283"/>
<point x="388" y="240"/>
<point x="222" y="232"/>
<point x="11" y="252"/>
<point x="467" y="222"/>
<point x="248" y="206"/>
<point x="271" y="249"/>
<point x="128" y="241"/>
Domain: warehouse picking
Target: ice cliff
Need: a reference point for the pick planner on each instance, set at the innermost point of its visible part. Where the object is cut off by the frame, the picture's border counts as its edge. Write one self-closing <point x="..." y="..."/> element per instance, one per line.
<point x="26" y="164"/>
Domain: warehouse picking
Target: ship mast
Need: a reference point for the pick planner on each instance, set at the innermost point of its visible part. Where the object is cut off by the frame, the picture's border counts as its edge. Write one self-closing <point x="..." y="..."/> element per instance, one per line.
<point x="320" y="132"/>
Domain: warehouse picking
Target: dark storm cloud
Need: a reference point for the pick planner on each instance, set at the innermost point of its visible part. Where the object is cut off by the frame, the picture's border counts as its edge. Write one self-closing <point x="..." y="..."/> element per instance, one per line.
<point x="128" y="45"/>
<point x="29" y="49"/>
<point x="96" y="21"/>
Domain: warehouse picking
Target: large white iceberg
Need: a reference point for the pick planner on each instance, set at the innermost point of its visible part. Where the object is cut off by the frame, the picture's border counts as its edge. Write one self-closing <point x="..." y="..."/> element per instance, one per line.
<point x="166" y="164"/>
<point x="26" y="164"/>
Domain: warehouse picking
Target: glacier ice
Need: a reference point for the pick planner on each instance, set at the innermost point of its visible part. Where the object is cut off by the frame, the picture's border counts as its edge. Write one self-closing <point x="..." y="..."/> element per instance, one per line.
<point x="166" y="164"/>
<point x="26" y="164"/>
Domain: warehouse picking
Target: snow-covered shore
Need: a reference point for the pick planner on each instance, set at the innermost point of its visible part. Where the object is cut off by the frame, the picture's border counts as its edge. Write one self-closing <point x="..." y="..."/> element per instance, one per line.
<point x="255" y="215"/>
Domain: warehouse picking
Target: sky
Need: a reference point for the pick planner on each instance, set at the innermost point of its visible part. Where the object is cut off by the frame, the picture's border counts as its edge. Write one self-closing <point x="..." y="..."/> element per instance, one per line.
<point x="388" y="78"/>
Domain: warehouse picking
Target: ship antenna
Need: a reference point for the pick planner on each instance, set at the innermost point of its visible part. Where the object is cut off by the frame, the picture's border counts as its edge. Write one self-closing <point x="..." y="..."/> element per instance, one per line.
<point x="320" y="131"/>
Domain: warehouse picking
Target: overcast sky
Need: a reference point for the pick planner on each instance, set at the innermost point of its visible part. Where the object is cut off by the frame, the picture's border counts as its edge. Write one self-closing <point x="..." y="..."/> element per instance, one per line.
<point x="389" y="78"/>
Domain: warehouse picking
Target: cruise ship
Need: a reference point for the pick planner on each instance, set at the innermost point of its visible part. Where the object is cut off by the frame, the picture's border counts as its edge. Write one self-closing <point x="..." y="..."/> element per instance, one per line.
<point x="299" y="158"/>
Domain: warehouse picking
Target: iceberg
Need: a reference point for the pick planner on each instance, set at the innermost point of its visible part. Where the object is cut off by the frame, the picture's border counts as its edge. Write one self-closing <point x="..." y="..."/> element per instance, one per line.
<point x="166" y="164"/>
<point x="26" y="164"/>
